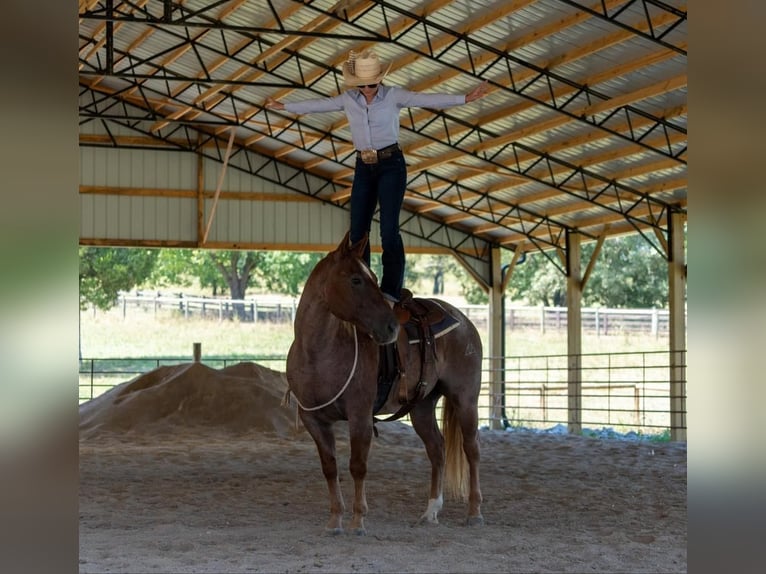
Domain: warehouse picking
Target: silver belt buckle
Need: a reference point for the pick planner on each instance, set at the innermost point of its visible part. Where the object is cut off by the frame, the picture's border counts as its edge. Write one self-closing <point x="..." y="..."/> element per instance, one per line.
<point x="369" y="156"/>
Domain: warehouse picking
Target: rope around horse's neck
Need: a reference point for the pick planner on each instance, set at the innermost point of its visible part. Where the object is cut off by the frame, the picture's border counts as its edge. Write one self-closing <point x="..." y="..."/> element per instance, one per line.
<point x="350" y="376"/>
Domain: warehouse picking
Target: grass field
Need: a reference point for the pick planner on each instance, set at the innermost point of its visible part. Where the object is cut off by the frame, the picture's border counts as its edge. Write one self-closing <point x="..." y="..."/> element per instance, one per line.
<point x="142" y="333"/>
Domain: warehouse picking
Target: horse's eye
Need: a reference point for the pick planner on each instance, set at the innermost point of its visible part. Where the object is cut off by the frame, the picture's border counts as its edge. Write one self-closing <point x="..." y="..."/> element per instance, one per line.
<point x="356" y="280"/>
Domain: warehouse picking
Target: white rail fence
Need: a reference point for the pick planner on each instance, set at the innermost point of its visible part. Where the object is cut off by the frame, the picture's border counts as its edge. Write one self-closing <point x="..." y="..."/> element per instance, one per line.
<point x="277" y="308"/>
<point x="274" y="308"/>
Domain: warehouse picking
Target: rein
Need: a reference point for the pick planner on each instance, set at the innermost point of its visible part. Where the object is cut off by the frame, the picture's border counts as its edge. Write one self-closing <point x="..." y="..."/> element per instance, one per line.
<point x="350" y="376"/>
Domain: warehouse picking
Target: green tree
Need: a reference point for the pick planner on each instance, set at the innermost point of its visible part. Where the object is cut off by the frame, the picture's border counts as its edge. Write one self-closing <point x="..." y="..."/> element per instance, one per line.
<point x="105" y="271"/>
<point x="282" y="272"/>
<point x="537" y="281"/>
<point x="628" y="273"/>
<point x="430" y="271"/>
<point x="433" y="272"/>
<point x="285" y="271"/>
<point x="472" y="291"/>
<point x="181" y="267"/>
<point x="236" y="268"/>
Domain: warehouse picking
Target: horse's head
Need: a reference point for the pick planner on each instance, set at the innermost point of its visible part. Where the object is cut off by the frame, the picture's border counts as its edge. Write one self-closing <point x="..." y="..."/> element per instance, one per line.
<point x="352" y="294"/>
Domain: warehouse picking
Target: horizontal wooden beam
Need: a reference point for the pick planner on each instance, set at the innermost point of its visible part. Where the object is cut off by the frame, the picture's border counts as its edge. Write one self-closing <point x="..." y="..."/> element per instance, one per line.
<point x="244" y="246"/>
<point x="192" y="194"/>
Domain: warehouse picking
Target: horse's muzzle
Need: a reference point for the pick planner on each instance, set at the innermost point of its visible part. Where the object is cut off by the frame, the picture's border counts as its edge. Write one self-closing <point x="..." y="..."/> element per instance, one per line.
<point x="387" y="332"/>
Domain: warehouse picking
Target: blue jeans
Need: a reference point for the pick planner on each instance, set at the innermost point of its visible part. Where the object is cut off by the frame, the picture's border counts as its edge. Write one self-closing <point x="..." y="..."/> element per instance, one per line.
<point x="384" y="183"/>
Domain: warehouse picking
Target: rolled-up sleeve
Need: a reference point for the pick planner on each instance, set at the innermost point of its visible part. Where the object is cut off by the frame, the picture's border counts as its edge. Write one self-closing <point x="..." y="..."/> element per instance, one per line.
<point x="334" y="104"/>
<point x="407" y="99"/>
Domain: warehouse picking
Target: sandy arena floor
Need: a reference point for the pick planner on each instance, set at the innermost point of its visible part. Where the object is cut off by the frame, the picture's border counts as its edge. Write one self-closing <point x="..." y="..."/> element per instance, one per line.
<point x="190" y="469"/>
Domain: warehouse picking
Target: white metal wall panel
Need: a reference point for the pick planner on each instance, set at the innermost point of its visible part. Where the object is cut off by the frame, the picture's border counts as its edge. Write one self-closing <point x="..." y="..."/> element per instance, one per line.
<point x="110" y="217"/>
<point x="137" y="168"/>
<point x="107" y="217"/>
<point x="280" y="222"/>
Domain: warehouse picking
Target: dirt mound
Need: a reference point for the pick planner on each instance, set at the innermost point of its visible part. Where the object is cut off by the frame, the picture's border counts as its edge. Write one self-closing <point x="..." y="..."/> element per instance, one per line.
<point x="190" y="397"/>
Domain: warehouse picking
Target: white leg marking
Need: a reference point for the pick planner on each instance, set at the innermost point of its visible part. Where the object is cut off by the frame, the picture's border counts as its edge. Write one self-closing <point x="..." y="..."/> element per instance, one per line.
<point x="434" y="506"/>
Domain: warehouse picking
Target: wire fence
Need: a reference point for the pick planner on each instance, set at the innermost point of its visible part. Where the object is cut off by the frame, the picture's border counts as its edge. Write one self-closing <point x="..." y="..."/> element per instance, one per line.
<point x="627" y="392"/>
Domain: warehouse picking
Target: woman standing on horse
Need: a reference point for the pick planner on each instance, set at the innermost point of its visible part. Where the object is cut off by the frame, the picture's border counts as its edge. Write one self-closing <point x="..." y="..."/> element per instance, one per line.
<point x="380" y="175"/>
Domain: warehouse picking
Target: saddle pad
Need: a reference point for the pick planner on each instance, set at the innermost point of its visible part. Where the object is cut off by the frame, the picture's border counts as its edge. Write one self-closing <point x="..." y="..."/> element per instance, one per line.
<point x="438" y="329"/>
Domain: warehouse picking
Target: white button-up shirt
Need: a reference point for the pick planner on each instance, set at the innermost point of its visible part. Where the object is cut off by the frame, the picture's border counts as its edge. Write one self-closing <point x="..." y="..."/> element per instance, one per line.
<point x="376" y="125"/>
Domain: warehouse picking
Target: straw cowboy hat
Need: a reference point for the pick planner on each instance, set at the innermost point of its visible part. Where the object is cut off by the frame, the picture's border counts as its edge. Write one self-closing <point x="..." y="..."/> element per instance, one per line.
<point x="365" y="68"/>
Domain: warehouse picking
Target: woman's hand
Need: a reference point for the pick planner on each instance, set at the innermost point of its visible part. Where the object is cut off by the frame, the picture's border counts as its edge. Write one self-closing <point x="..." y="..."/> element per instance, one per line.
<point x="478" y="92"/>
<point x="273" y="104"/>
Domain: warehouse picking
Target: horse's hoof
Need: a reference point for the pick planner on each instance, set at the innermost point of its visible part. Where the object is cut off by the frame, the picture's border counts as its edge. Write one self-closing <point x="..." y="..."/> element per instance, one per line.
<point x="427" y="520"/>
<point x="474" y="521"/>
<point x="360" y="531"/>
<point x="334" y="531"/>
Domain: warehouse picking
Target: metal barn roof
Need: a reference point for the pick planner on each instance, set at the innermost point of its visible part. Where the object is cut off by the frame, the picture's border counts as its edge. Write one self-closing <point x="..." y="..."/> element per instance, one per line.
<point x="584" y="128"/>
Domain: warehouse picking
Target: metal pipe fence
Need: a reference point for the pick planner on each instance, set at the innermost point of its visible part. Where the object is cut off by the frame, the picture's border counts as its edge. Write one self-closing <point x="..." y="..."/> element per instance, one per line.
<point x="627" y="392"/>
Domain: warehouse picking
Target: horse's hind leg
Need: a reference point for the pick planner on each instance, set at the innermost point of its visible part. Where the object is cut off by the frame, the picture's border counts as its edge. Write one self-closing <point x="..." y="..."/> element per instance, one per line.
<point x="423" y="420"/>
<point x="461" y="410"/>
<point x="324" y="437"/>
<point x="469" y="425"/>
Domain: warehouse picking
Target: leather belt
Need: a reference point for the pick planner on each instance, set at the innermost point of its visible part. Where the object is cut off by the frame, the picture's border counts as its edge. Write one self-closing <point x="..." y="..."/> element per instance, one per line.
<point x="374" y="156"/>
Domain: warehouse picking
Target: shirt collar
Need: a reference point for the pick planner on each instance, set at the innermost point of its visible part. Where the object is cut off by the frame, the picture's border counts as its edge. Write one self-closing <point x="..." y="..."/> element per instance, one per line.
<point x="359" y="97"/>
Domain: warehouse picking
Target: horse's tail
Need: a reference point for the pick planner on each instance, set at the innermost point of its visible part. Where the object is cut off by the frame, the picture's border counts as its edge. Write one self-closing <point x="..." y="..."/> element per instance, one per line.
<point x="456" y="473"/>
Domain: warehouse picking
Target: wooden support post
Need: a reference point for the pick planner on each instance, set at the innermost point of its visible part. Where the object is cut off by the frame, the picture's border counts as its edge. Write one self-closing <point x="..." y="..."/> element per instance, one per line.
<point x="677" y="327"/>
<point x="574" y="334"/>
<point x="200" y="193"/>
<point x="197" y="352"/>
<point x="496" y="352"/>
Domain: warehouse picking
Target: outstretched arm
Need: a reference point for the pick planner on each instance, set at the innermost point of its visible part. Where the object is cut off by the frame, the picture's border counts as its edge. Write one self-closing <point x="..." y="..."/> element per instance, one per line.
<point x="274" y="104"/>
<point x="334" y="104"/>
<point x="478" y="92"/>
<point x="408" y="99"/>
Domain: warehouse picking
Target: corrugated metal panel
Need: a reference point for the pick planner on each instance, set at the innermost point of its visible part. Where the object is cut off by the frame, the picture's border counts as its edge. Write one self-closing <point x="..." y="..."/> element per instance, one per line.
<point x="146" y="218"/>
<point x="110" y="217"/>
<point x="597" y="56"/>
<point x="137" y="168"/>
<point x="280" y="222"/>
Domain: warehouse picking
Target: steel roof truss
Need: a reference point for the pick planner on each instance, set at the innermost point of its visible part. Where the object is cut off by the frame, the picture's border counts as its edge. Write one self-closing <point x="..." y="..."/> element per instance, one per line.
<point x="653" y="35"/>
<point x="465" y="205"/>
<point x="467" y="41"/>
<point x="587" y="195"/>
<point x="201" y="20"/>
<point x="478" y="130"/>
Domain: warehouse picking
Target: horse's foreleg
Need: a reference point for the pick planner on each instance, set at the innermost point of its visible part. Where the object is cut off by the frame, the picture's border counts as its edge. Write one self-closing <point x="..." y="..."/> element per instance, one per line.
<point x="335" y="523"/>
<point x="424" y="422"/>
<point x="360" y="434"/>
<point x="325" y="441"/>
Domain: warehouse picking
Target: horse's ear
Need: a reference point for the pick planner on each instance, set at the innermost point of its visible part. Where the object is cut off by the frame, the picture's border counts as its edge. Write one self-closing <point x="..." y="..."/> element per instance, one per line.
<point x="343" y="245"/>
<point x="357" y="248"/>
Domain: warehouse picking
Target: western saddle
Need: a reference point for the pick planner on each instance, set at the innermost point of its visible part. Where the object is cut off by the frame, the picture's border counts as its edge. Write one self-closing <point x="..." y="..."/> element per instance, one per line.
<point x="423" y="320"/>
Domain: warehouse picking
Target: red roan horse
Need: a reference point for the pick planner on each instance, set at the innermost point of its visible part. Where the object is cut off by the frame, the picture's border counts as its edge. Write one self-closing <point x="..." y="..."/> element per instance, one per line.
<point x="332" y="370"/>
